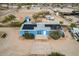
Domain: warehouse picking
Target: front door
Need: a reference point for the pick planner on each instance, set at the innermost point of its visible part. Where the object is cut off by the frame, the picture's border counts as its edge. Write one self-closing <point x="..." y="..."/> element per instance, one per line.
<point x="44" y="32"/>
<point x="41" y="32"/>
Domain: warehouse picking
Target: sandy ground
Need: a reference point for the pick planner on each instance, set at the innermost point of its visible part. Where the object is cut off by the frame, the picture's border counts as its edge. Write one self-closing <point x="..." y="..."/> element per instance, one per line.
<point x="14" y="45"/>
<point x="21" y="13"/>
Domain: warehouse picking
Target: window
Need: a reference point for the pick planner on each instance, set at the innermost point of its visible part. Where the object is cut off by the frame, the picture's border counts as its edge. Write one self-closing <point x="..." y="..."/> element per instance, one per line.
<point x="29" y="26"/>
<point x="39" y="32"/>
<point x="53" y="26"/>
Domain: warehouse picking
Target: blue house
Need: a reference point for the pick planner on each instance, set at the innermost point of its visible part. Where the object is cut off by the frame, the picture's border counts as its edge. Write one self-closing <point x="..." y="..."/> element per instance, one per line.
<point x="40" y="28"/>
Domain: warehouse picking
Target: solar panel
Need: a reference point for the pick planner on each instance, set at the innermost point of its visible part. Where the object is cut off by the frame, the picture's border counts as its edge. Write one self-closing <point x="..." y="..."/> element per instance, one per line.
<point x="29" y="26"/>
<point x="53" y="26"/>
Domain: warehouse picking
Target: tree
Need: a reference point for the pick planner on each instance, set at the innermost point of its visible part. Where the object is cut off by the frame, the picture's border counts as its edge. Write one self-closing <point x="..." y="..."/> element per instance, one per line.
<point x="61" y="22"/>
<point x="9" y="18"/>
<point x="55" y="34"/>
<point x="56" y="54"/>
<point x="19" y="6"/>
<point x="15" y="24"/>
<point x="28" y="7"/>
<point x="40" y="14"/>
<point x="73" y="25"/>
<point x="4" y="35"/>
<point x="35" y="16"/>
<point x="12" y="17"/>
<point x="6" y="19"/>
<point x="28" y="35"/>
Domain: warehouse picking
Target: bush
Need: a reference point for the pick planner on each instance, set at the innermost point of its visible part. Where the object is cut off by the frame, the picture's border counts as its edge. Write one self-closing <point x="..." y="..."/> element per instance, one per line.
<point x="61" y="22"/>
<point x="6" y="19"/>
<point x="15" y="24"/>
<point x="40" y="14"/>
<point x="3" y="8"/>
<point x="55" y="35"/>
<point x="4" y="35"/>
<point x="28" y="7"/>
<point x="56" y="54"/>
<point x="35" y="16"/>
<point x="73" y="25"/>
<point x="28" y="35"/>
<point x="9" y="18"/>
<point x="19" y="6"/>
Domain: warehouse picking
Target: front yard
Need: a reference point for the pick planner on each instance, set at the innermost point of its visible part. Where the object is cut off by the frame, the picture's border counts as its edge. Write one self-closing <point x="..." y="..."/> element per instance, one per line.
<point x="14" y="45"/>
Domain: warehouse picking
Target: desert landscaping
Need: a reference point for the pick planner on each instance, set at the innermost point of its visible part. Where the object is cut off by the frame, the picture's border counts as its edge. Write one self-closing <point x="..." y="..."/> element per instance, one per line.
<point x="14" y="45"/>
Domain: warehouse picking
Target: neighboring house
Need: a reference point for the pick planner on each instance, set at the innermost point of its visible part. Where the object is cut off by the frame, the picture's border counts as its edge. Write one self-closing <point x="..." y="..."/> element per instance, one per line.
<point x="40" y="28"/>
<point x="49" y="17"/>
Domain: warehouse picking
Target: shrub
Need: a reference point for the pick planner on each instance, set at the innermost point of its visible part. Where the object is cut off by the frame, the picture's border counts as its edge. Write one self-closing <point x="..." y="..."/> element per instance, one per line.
<point x="6" y="19"/>
<point x="4" y="35"/>
<point x="55" y="35"/>
<point x="73" y="25"/>
<point x="3" y="8"/>
<point x="61" y="22"/>
<point x="56" y="54"/>
<point x="28" y="35"/>
<point x="40" y="14"/>
<point x="15" y="24"/>
<point x="9" y="18"/>
<point x="35" y="16"/>
<point x="19" y="6"/>
<point x="28" y="7"/>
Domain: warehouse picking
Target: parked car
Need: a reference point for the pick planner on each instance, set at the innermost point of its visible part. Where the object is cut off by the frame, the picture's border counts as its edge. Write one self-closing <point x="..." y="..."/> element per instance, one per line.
<point x="75" y="33"/>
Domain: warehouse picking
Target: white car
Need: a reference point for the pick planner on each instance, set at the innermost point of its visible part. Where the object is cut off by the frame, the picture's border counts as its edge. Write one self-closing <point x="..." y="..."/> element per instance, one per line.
<point x="75" y="33"/>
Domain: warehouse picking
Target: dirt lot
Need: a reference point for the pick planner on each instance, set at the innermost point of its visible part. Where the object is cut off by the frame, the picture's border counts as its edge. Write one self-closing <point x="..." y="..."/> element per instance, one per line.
<point x="20" y="14"/>
<point x="13" y="45"/>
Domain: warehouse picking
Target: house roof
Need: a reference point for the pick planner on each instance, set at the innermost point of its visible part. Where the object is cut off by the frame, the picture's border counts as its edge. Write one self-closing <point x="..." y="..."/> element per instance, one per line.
<point x="39" y="26"/>
<point x="49" y="22"/>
